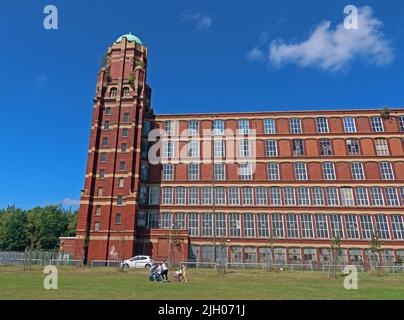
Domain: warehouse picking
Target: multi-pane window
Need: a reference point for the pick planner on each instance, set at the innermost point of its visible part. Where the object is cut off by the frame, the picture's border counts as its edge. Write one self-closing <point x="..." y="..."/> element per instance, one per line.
<point x="377" y="124"/>
<point x="349" y="124"/>
<point x="246" y="171"/>
<point x="386" y="171"/>
<point x="221" y="225"/>
<point x="153" y="220"/>
<point x="248" y="197"/>
<point x="169" y="127"/>
<point x="351" y="226"/>
<point x="347" y="197"/>
<point x="332" y="197"/>
<point x="298" y="147"/>
<point x="219" y="150"/>
<point x="168" y="149"/>
<point x="144" y="171"/>
<point x="303" y="195"/>
<point x="249" y="225"/>
<point x="220" y="196"/>
<point x="206" y="195"/>
<point x="126" y="117"/>
<point x="166" y="220"/>
<point x="125" y="132"/>
<point x="300" y="171"/>
<point x="103" y="157"/>
<point x="318" y="196"/>
<point x="292" y="228"/>
<point x="382" y="227"/>
<point x="275" y="196"/>
<point x="306" y="223"/>
<point x="295" y="125"/>
<point x="154" y="195"/>
<point x="289" y="198"/>
<point x="376" y="195"/>
<point x="218" y="127"/>
<point x="243" y="126"/>
<point x="325" y="147"/>
<point x="193" y="195"/>
<point x="322" y="125"/>
<point x="269" y="126"/>
<point x="391" y="196"/>
<point x="101" y="175"/>
<point x="366" y="226"/>
<point x="125" y="92"/>
<point x="122" y="166"/>
<point x="401" y="122"/>
<point x="105" y="142"/>
<point x="397" y="224"/>
<point x="235" y="225"/>
<point x="106" y="125"/>
<point x="277" y="225"/>
<point x="261" y="196"/>
<point x="357" y="171"/>
<point x="112" y="92"/>
<point x="180" y="195"/>
<point x="321" y="226"/>
<point x="273" y="171"/>
<point x="402" y="195"/>
<point x="193" y="224"/>
<point x="193" y="149"/>
<point x="167" y="195"/>
<point x="207" y="224"/>
<point x="353" y="147"/>
<point x="328" y="171"/>
<point x="121" y="182"/>
<point x="123" y="147"/>
<point x="234" y="196"/>
<point x="362" y="197"/>
<point x="142" y="219"/>
<point x="193" y="171"/>
<point x="143" y="193"/>
<point x="193" y="127"/>
<point x="179" y="220"/>
<point x="219" y="171"/>
<point x="337" y="230"/>
<point x="168" y="172"/>
<point x="271" y="149"/>
<point x="244" y="148"/>
<point x="382" y="147"/>
<point x="262" y="225"/>
<point x="108" y="111"/>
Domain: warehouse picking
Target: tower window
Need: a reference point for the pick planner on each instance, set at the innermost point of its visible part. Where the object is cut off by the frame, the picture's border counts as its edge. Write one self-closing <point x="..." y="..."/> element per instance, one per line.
<point x="126" y="117"/>
<point x="125" y="132"/>
<point x="103" y="157"/>
<point x="106" y="125"/>
<point x="108" y="111"/>
<point x="118" y="218"/>
<point x="125" y="92"/>
<point x="112" y="92"/>
<point x="96" y="226"/>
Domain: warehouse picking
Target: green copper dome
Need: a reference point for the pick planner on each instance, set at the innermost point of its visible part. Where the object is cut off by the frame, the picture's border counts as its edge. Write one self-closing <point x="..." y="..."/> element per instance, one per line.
<point x="130" y="37"/>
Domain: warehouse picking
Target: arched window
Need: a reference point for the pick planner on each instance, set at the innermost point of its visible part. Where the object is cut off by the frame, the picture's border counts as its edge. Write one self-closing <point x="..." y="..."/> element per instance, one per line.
<point x="125" y="92"/>
<point x="112" y="92"/>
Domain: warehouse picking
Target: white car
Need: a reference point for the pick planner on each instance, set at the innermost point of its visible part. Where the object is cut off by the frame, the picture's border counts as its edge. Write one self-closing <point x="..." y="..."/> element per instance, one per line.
<point x="138" y="262"/>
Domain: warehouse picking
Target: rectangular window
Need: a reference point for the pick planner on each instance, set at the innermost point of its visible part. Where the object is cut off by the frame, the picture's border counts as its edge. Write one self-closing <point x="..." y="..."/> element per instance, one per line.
<point x="106" y="125"/>
<point x="300" y="171"/>
<point x="271" y="148"/>
<point x="105" y="142"/>
<point x="292" y="228"/>
<point x="401" y="123"/>
<point x="96" y="226"/>
<point x="377" y="124"/>
<point x="244" y="148"/>
<point x="219" y="171"/>
<point x="303" y="196"/>
<point x="122" y="166"/>
<point x="382" y="227"/>
<point x="218" y="127"/>
<point x="353" y="147"/>
<point x="119" y="200"/>
<point x="391" y="196"/>
<point x="154" y="220"/>
<point x="207" y="224"/>
<point x="275" y="196"/>
<point x="125" y="132"/>
<point x="376" y="196"/>
<point x="123" y="147"/>
<point x="193" y="224"/>
<point x="168" y="172"/>
<point x="325" y="147"/>
<point x="167" y="195"/>
<point x="166" y="220"/>
<point x="270" y="128"/>
<point x="262" y="225"/>
<point x="366" y="226"/>
<point x="243" y="126"/>
<point x="193" y="149"/>
<point x="193" y="195"/>
<point x="235" y="225"/>
<point x="297" y="147"/>
<point x="246" y="172"/>
<point x="220" y="196"/>
<point x="154" y="195"/>
<point x="347" y="197"/>
<point x="261" y="196"/>
<point x="357" y="171"/>
<point x="193" y="172"/>
<point x="103" y="157"/>
<point x="295" y="125"/>
<point x="306" y="223"/>
<point x="126" y="117"/>
<point x="193" y="127"/>
<point x="273" y="171"/>
<point x="169" y="127"/>
<point x="397" y="224"/>
<point x="101" y="175"/>
<point x="206" y="196"/>
<point x="142" y="219"/>
<point x="386" y="171"/>
<point x="108" y="111"/>
<point x="322" y="226"/>
<point x="328" y="171"/>
<point x="318" y="196"/>
<point x="234" y="196"/>
<point x="349" y="124"/>
<point x="248" y="197"/>
<point x="289" y="198"/>
<point x="168" y="149"/>
<point x="219" y="150"/>
<point x="180" y="195"/>
<point x="336" y="226"/>
<point x="322" y="125"/>
<point x="362" y="197"/>
<point x="382" y="147"/>
<point x="277" y="225"/>
<point x="249" y="225"/>
<point x="143" y="194"/>
<point x="98" y="211"/>
<point x="179" y="220"/>
<point x="221" y="225"/>
<point x="332" y="197"/>
<point x="351" y="226"/>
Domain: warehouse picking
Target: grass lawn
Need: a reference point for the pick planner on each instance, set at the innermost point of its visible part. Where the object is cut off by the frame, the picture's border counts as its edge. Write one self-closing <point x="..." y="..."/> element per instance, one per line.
<point x="108" y="283"/>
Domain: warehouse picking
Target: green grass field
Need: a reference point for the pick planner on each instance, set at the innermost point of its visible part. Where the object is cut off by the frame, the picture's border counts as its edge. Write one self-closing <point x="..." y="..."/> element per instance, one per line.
<point x="104" y="283"/>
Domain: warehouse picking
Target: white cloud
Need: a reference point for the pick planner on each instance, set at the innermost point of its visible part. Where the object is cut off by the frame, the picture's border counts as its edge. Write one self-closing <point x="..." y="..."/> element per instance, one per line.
<point x="203" y="21"/>
<point x="255" y="54"/>
<point x="335" y="49"/>
<point x="67" y="202"/>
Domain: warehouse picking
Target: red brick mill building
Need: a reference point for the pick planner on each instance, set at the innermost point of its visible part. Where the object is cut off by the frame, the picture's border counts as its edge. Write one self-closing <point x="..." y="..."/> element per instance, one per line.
<point x="303" y="177"/>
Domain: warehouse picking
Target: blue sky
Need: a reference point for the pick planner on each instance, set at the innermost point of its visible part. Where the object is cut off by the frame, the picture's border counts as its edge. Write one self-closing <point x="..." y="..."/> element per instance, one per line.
<point x="204" y="56"/>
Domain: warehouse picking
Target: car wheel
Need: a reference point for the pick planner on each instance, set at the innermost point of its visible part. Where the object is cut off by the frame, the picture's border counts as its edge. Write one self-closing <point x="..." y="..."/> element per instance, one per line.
<point x="147" y="266"/>
<point x="125" y="266"/>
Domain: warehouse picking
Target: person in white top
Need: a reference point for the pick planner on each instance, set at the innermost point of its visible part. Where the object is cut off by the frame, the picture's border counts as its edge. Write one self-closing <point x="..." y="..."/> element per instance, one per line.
<point x="164" y="271"/>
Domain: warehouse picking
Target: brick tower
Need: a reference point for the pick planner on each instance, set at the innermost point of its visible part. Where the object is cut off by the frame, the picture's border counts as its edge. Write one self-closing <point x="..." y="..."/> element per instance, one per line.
<point x="106" y="226"/>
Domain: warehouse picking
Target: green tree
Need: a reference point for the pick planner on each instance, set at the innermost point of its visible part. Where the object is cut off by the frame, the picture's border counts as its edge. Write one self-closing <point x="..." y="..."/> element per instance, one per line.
<point x="13" y="229"/>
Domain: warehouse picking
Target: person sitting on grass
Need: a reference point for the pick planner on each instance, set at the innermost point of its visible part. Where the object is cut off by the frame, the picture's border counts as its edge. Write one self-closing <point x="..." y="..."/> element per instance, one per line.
<point x="178" y="275"/>
<point x="154" y="275"/>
